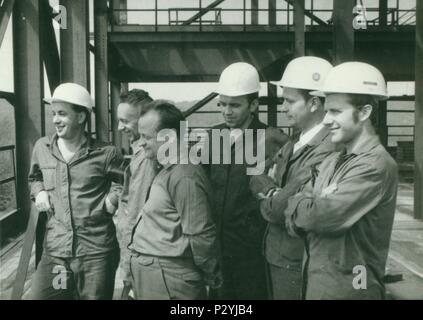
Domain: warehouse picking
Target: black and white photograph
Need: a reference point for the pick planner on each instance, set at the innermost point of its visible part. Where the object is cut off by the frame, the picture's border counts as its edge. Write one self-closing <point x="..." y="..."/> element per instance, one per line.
<point x="214" y="152"/>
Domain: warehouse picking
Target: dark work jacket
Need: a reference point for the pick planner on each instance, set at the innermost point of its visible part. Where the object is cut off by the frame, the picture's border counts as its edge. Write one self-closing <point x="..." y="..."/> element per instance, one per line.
<point x="280" y="248"/>
<point x="240" y="225"/>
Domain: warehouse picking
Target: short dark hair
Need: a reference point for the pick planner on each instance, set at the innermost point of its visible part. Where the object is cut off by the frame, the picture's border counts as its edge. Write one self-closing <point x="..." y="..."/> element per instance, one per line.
<point x="170" y="116"/>
<point x="252" y="96"/>
<point x="136" y="98"/>
<point x="81" y="109"/>
<point x="360" y="100"/>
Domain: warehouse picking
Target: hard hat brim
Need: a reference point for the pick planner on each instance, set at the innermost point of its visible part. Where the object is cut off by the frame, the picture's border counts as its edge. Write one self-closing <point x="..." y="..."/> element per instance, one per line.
<point x="318" y="93"/>
<point x="276" y="83"/>
<point x="322" y="94"/>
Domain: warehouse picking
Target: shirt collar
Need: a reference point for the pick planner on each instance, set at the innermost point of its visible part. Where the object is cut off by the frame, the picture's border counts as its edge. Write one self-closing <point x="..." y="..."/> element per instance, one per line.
<point x="310" y="134"/>
<point x="366" y="144"/>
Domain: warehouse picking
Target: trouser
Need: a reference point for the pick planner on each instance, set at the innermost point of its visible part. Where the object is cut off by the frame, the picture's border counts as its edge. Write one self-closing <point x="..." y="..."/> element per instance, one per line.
<point x="90" y="277"/>
<point x="285" y="282"/>
<point x="157" y="278"/>
<point x="244" y="278"/>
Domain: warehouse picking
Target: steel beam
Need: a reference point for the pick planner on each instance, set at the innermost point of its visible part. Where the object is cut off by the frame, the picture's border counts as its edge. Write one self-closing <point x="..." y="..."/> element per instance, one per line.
<point x="28" y="80"/>
<point x="272" y="12"/>
<point x="382" y="123"/>
<point x="254" y="12"/>
<point x="299" y="25"/>
<point x="202" y="12"/>
<point x="272" y="107"/>
<point x="74" y="42"/>
<point x="383" y="12"/>
<point x="418" y="127"/>
<point x="101" y="71"/>
<point x="49" y="48"/>
<point x="119" y="17"/>
<point x="115" y="90"/>
<point x="343" y="32"/>
<point x="5" y="12"/>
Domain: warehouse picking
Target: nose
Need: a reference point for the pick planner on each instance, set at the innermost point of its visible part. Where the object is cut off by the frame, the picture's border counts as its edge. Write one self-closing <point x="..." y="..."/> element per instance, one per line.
<point x="327" y="120"/>
<point x="284" y="107"/>
<point x="56" y="119"/>
<point x="141" y="142"/>
<point x="227" y="110"/>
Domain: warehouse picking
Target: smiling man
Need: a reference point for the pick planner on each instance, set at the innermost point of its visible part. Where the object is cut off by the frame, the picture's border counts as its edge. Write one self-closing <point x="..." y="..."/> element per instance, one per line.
<point x="240" y="225"/>
<point x="292" y="169"/>
<point x="139" y="174"/>
<point x="346" y="215"/>
<point x="70" y="179"/>
<point x="174" y="245"/>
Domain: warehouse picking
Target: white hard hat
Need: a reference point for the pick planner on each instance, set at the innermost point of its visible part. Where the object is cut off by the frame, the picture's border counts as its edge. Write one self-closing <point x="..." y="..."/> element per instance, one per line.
<point x="356" y="78"/>
<point x="238" y="79"/>
<point x="306" y="73"/>
<point x="72" y="93"/>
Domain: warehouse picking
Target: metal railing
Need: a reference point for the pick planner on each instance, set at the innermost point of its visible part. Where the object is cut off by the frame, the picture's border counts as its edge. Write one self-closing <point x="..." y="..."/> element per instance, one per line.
<point x="245" y="16"/>
<point x="11" y="149"/>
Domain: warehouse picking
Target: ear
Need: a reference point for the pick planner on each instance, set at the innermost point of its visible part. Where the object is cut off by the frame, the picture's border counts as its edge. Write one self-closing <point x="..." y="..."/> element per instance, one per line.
<point x="254" y="105"/>
<point x="365" y="112"/>
<point x="314" y="104"/>
<point x="81" y="117"/>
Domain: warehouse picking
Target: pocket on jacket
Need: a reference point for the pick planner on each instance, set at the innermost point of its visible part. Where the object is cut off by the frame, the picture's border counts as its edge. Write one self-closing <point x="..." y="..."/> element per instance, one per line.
<point x="49" y="177"/>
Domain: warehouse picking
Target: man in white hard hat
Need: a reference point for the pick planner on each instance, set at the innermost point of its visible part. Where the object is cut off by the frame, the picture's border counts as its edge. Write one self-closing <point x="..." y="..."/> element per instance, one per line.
<point x="347" y="214"/>
<point x="240" y="225"/>
<point x="70" y="179"/>
<point x="293" y="168"/>
<point x="139" y="174"/>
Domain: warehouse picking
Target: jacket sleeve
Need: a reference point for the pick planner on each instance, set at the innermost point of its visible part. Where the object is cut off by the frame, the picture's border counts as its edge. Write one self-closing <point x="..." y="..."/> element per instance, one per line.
<point x="190" y="197"/>
<point x="338" y="209"/>
<point x="35" y="177"/>
<point x="115" y="168"/>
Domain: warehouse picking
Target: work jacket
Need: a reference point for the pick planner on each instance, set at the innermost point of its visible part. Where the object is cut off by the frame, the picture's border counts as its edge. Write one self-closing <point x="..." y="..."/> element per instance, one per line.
<point x="240" y="225"/>
<point x="292" y="171"/>
<point x="347" y="218"/>
<point x="79" y="224"/>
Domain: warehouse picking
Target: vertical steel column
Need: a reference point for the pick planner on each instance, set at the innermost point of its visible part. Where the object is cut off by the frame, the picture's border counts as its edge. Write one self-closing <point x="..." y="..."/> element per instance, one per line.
<point x="115" y="89"/>
<point x="254" y="12"/>
<point x="299" y="27"/>
<point x="343" y="32"/>
<point x="418" y="127"/>
<point x="272" y="12"/>
<point x="382" y="127"/>
<point x="120" y="17"/>
<point x="272" y="107"/>
<point x="74" y="43"/>
<point x="28" y="80"/>
<point x="383" y="12"/>
<point x="101" y="71"/>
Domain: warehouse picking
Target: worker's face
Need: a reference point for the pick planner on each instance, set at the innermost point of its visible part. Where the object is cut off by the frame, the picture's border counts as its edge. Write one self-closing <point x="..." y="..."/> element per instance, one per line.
<point x="343" y="119"/>
<point x="147" y="127"/>
<point x="296" y="108"/>
<point x="128" y="116"/>
<point x="67" y="122"/>
<point x="236" y="111"/>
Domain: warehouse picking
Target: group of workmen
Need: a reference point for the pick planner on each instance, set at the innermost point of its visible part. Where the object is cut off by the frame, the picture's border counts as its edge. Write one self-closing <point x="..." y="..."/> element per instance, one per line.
<point x="316" y="224"/>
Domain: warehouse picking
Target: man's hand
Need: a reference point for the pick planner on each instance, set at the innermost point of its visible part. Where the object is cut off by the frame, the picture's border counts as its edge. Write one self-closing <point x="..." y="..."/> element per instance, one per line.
<point x="110" y="208"/>
<point x="261" y="184"/>
<point x="42" y="201"/>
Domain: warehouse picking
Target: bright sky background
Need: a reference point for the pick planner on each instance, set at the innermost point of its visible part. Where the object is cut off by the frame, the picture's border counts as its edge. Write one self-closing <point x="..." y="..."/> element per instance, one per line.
<point x="177" y="91"/>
